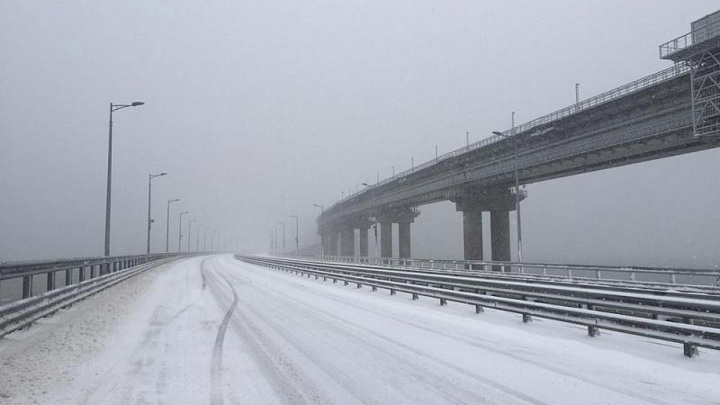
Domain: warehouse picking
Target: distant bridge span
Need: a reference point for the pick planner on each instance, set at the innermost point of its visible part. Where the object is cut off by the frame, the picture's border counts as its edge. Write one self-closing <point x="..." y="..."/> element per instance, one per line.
<point x="668" y="113"/>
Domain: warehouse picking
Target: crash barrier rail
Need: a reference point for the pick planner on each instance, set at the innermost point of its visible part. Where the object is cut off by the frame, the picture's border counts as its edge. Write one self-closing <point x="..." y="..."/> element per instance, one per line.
<point x="688" y="317"/>
<point x="78" y="269"/>
<point x="663" y="276"/>
<point x="22" y="313"/>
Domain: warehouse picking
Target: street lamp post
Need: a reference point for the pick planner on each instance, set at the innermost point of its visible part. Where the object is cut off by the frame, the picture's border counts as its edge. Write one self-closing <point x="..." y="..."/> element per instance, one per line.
<point x="517" y="189"/>
<point x="167" y="225"/>
<point x="297" y="235"/>
<point x="108" y="200"/>
<point x="189" y="224"/>
<point x="150" y="220"/>
<point x="180" y="231"/>
<point x="197" y="236"/>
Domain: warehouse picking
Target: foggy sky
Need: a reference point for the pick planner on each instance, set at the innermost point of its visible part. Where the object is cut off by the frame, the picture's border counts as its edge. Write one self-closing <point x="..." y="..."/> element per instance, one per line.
<point x="257" y="110"/>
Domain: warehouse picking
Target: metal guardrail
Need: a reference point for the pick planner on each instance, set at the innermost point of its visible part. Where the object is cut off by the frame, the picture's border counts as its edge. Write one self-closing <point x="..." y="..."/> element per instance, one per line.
<point x="677" y="70"/>
<point x="83" y="268"/>
<point x="103" y="272"/>
<point x="691" y="318"/>
<point x="664" y="276"/>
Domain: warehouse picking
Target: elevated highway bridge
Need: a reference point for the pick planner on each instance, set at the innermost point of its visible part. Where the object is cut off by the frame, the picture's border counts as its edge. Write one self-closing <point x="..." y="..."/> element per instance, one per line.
<point x="668" y="113"/>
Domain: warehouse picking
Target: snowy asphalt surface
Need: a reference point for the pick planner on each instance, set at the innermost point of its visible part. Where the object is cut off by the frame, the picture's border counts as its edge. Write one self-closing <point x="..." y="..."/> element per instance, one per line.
<point x="214" y="330"/>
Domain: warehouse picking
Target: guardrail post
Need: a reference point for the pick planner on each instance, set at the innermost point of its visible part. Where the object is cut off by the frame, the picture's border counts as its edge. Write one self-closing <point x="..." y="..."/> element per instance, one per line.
<point x="374" y="288"/>
<point x="359" y="285"/>
<point x="593" y="330"/>
<point x="392" y="291"/>
<point x="50" y="281"/>
<point x="415" y="296"/>
<point x="81" y="274"/>
<point x="346" y="282"/>
<point x="443" y="302"/>
<point x="479" y="309"/>
<point x="68" y="276"/>
<point x="689" y="349"/>
<point x="27" y="286"/>
<point x="527" y="318"/>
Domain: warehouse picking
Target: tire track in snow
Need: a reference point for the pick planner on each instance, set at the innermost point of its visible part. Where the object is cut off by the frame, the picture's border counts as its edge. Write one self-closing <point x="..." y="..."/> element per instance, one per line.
<point x="280" y="372"/>
<point x="216" y="394"/>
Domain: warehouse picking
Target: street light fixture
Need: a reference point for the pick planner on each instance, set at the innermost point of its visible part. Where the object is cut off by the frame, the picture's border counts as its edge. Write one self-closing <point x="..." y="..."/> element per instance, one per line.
<point x="297" y="237"/>
<point x="189" y="224"/>
<point x="108" y="200"/>
<point x="167" y="225"/>
<point x="150" y="220"/>
<point x="180" y="231"/>
<point x="517" y="189"/>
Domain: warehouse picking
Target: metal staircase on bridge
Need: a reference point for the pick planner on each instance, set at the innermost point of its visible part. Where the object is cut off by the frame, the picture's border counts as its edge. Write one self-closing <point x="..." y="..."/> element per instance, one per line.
<point x="700" y="50"/>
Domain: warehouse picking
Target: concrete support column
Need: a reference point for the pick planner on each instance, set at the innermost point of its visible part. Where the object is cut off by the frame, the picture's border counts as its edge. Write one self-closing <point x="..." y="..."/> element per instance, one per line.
<point x="404" y="239"/>
<point x="472" y="235"/>
<point x="332" y="239"/>
<point x="347" y="242"/>
<point x="500" y="235"/>
<point x="386" y="239"/>
<point x="363" y="241"/>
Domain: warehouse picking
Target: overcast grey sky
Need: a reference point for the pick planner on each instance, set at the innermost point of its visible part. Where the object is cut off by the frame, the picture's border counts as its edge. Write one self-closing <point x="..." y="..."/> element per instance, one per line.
<point x="260" y="109"/>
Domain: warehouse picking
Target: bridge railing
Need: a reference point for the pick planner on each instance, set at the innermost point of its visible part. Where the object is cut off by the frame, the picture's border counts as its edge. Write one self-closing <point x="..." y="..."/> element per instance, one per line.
<point x="73" y="270"/>
<point x="83" y="278"/>
<point x="675" y="45"/>
<point x="691" y="318"/>
<point x="616" y="274"/>
<point x="677" y="70"/>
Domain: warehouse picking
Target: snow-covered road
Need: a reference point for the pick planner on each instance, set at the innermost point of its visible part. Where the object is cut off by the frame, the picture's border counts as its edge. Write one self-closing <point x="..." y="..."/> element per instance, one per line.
<point x="214" y="330"/>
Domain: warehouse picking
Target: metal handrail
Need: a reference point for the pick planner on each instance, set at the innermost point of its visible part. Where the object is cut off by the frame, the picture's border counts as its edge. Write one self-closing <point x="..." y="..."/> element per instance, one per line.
<point x="696" y="36"/>
<point x="677" y="70"/>
<point x="675" y="45"/>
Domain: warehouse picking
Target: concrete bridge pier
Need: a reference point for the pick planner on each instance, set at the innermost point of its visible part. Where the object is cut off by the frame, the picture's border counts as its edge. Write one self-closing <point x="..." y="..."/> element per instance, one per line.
<point x="347" y="241"/>
<point x="500" y="237"/>
<point x="364" y="240"/>
<point x="472" y="235"/>
<point x="500" y="202"/>
<point x="404" y="239"/>
<point x="332" y="243"/>
<point x="403" y="217"/>
<point x="386" y="239"/>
